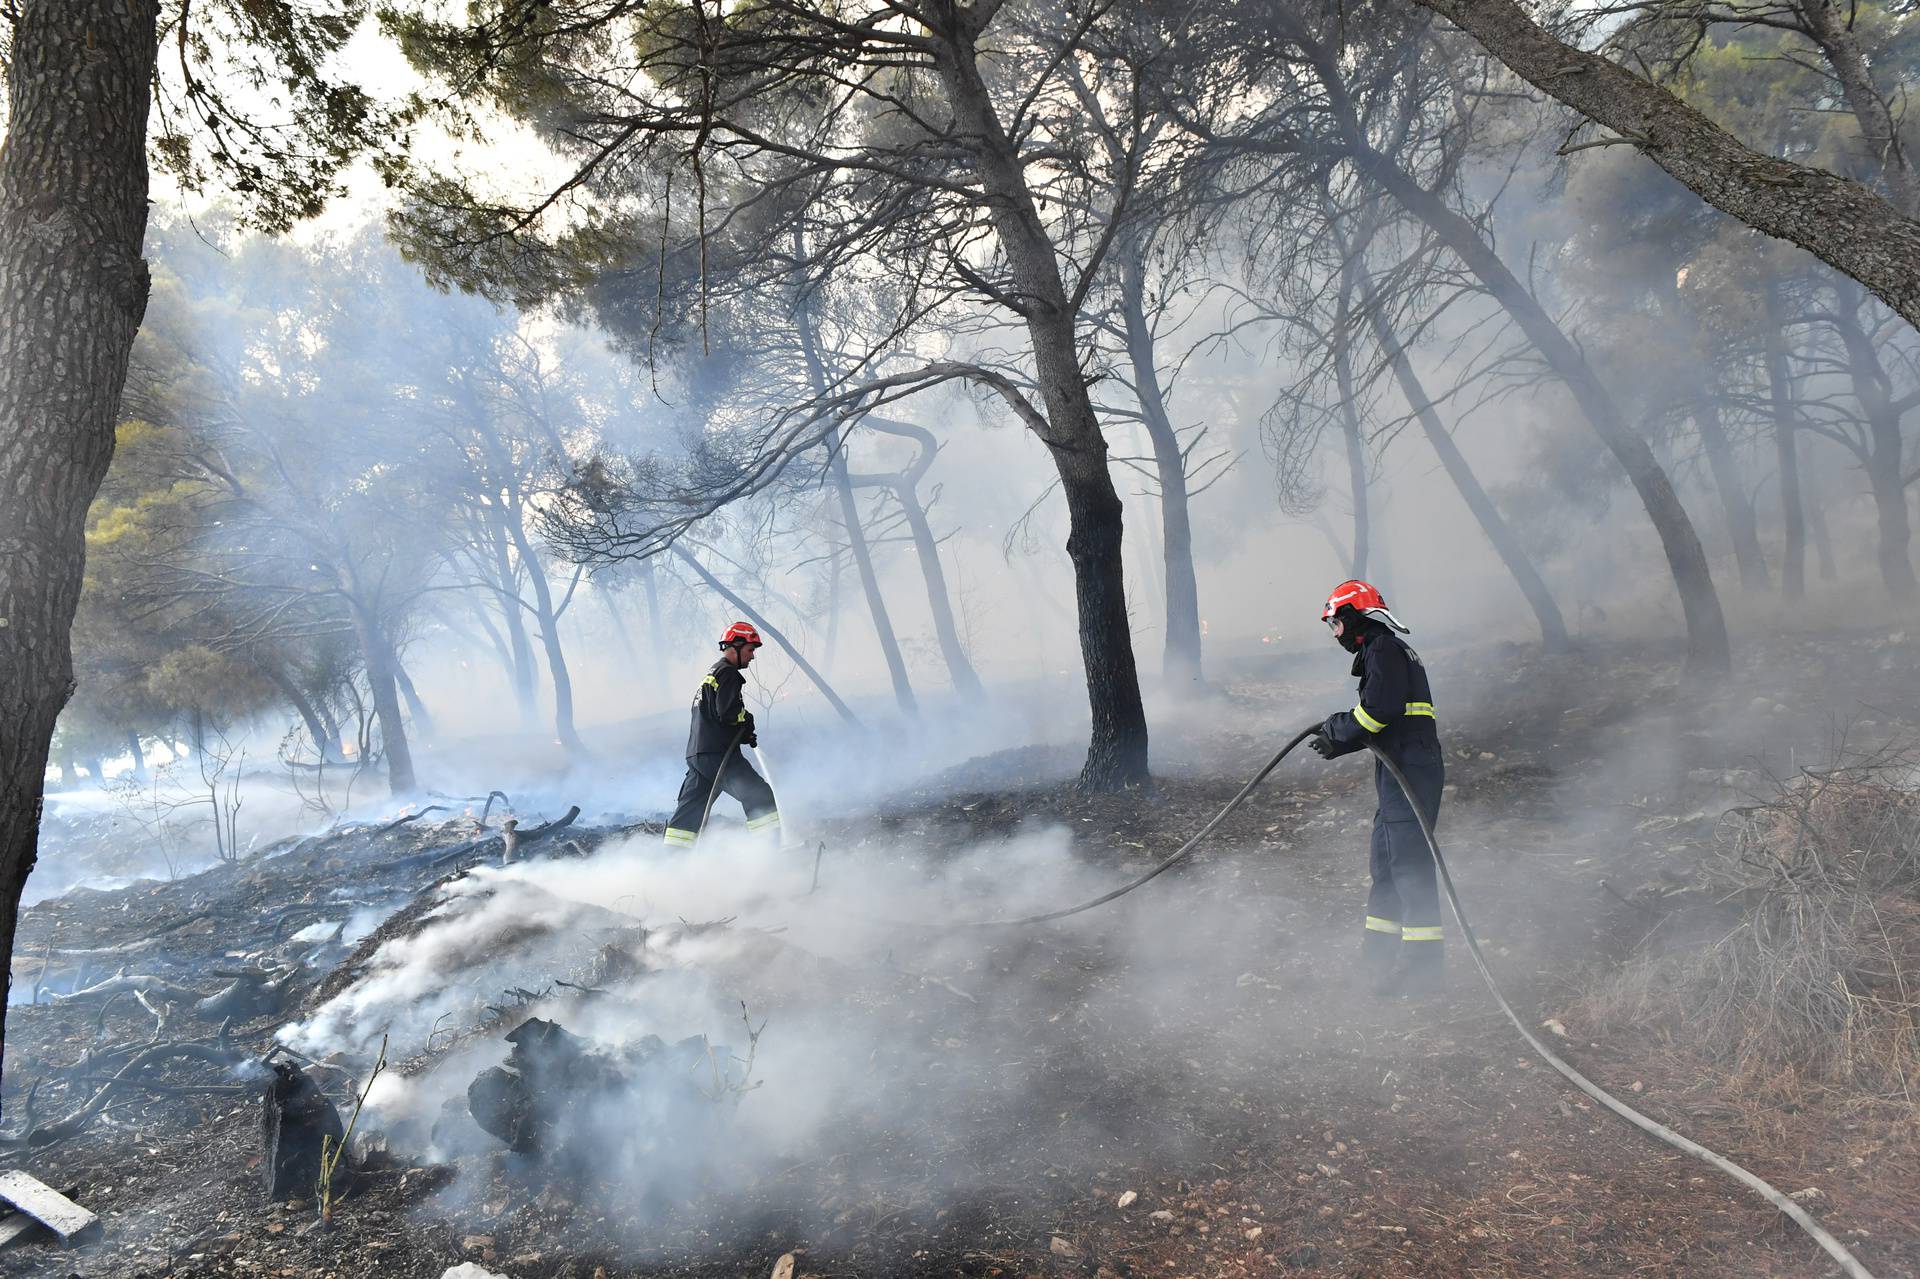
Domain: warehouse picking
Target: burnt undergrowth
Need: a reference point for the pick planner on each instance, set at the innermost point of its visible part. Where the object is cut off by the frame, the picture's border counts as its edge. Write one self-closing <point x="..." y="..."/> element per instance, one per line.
<point x="1800" y="964"/>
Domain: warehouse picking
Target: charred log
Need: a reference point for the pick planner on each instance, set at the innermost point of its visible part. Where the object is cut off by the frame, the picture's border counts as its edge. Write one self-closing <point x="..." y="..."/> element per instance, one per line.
<point x="556" y="1093"/>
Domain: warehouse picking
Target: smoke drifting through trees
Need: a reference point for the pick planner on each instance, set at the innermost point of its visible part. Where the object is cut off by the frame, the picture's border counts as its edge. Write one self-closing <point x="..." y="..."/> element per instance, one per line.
<point x="803" y="256"/>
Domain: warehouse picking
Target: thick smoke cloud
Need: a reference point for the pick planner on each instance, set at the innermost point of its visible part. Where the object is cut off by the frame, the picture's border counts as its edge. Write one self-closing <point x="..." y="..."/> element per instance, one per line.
<point x="874" y="1016"/>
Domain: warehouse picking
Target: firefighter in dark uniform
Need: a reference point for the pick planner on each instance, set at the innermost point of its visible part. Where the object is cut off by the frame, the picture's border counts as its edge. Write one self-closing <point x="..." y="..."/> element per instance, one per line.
<point x="1401" y="948"/>
<point x="722" y="724"/>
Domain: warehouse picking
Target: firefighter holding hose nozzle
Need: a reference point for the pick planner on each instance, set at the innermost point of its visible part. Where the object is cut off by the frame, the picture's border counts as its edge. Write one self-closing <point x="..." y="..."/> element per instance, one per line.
<point x="722" y="724"/>
<point x="1401" y="948"/>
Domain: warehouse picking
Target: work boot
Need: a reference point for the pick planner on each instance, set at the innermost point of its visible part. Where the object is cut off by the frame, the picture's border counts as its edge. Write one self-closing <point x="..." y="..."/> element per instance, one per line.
<point x="1378" y="954"/>
<point x="1422" y="969"/>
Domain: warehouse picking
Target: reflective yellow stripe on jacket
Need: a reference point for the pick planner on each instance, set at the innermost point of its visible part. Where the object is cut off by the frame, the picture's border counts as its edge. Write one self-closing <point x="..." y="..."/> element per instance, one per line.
<point x="1373" y="725"/>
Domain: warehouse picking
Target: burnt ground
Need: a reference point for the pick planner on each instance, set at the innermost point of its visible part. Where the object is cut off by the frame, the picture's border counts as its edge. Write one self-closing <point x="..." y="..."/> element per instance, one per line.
<point x="1260" y="1116"/>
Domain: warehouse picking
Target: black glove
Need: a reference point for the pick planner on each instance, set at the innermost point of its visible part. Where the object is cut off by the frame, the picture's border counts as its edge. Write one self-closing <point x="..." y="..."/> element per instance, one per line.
<point x="752" y="736"/>
<point x="1322" y="740"/>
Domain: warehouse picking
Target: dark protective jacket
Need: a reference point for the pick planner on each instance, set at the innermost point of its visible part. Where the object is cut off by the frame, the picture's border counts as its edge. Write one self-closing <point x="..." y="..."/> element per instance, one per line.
<point x="720" y="717"/>
<point x="1395" y="709"/>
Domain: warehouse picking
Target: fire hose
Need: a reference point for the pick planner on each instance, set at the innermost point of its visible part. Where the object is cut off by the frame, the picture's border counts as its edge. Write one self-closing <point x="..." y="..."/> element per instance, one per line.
<point x="1848" y="1263"/>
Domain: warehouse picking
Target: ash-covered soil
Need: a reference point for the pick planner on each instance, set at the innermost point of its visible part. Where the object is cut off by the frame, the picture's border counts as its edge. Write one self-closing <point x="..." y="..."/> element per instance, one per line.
<point x="1185" y="1083"/>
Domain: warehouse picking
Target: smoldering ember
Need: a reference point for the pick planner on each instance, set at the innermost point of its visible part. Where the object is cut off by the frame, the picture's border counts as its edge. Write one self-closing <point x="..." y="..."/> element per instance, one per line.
<point x="1004" y="638"/>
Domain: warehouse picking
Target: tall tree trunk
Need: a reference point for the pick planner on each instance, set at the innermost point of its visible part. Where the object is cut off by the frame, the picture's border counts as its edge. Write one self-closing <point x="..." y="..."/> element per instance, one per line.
<point x="73" y="289"/>
<point x="1117" y="751"/>
<point x="1793" y="557"/>
<point x="1708" y="649"/>
<point x="297" y="698"/>
<point x="1553" y="628"/>
<point x="1822" y="538"/>
<point x="139" y="756"/>
<point x="1735" y="505"/>
<point x="905" y="487"/>
<point x="656" y="623"/>
<point x="1831" y="26"/>
<point x="422" y="721"/>
<point x="549" y="623"/>
<point x="1151" y="545"/>
<point x="1839" y="221"/>
<point x="966" y="681"/>
<point x="850" y="518"/>
<point x="197" y="733"/>
<point x="478" y="604"/>
<point x="833" y="606"/>
<point x="1884" y="460"/>
<point x="1181" y="668"/>
<point x="1350" y="426"/>
<point x="381" y="666"/>
<point x="869" y="580"/>
<point x="621" y="630"/>
<point x="330" y="726"/>
<point x="754" y="616"/>
<point x="1357" y="480"/>
<point x="95" y="770"/>
<point x="519" y="648"/>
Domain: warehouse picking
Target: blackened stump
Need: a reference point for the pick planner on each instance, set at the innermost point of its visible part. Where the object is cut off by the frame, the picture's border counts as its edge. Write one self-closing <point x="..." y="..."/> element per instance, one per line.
<point x="295" y="1119"/>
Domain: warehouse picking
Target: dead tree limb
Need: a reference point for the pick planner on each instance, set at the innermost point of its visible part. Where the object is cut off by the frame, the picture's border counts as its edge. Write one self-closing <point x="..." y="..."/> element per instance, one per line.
<point x="60" y="1129"/>
<point x="412" y="817"/>
<point x="134" y="985"/>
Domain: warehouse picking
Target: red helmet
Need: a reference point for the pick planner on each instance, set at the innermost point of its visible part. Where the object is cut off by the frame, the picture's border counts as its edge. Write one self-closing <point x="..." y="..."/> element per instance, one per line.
<point x="740" y="634"/>
<point x="1362" y="598"/>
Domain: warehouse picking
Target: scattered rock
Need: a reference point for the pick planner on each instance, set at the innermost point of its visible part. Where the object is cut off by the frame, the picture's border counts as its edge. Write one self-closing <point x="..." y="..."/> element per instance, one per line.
<point x="1160" y="1214"/>
<point x="1061" y="1248"/>
<point x="783" y="1268"/>
<point x="476" y="1243"/>
<point x="1127" y="1199"/>
<point x="467" y="1270"/>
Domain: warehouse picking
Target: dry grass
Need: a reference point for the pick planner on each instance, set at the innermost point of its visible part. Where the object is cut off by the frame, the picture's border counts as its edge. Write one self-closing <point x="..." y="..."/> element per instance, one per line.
<point x="1818" y="981"/>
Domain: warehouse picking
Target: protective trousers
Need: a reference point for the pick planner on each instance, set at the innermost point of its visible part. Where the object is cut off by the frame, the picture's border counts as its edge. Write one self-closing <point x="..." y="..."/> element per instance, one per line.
<point x="737" y="779"/>
<point x="1404" y="902"/>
